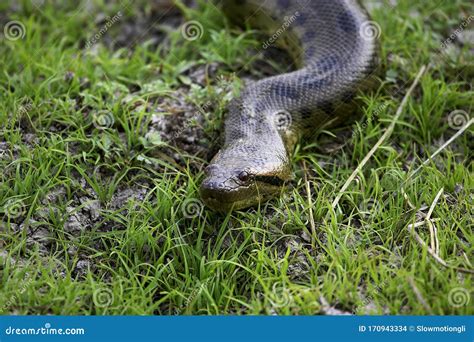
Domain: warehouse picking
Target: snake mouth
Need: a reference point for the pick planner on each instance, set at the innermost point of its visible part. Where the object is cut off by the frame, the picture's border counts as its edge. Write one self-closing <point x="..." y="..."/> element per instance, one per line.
<point x="220" y="205"/>
<point x="238" y="198"/>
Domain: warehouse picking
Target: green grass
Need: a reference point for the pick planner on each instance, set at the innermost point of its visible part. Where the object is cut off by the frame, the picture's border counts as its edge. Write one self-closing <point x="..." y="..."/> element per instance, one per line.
<point x="145" y="254"/>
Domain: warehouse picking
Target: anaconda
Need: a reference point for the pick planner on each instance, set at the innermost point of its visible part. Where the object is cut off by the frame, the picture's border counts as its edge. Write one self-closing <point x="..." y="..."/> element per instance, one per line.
<point x="335" y="47"/>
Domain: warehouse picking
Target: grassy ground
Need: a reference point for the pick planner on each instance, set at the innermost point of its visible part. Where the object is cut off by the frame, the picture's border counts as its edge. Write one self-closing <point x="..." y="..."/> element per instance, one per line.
<point x="107" y="123"/>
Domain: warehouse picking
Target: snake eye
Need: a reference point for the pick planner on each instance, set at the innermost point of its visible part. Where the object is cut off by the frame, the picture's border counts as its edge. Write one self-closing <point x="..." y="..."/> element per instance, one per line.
<point x="244" y="176"/>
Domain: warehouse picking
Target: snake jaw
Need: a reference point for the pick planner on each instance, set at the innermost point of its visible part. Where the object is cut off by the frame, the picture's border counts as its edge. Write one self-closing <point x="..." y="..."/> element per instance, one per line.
<point x="237" y="198"/>
<point x="230" y="186"/>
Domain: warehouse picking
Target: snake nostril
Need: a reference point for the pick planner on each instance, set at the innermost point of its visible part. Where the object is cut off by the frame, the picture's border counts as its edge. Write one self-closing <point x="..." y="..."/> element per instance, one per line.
<point x="208" y="189"/>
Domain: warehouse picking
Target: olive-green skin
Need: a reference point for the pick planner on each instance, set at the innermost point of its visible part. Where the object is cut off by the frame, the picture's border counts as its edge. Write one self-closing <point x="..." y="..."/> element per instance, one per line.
<point x="334" y="45"/>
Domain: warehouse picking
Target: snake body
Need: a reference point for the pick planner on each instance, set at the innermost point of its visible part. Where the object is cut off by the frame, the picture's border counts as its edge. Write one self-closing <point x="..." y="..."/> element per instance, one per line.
<point x="337" y="54"/>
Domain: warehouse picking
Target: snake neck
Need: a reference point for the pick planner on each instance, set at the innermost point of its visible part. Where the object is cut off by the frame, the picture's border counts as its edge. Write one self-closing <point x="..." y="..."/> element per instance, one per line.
<point x="335" y="59"/>
<point x="252" y="119"/>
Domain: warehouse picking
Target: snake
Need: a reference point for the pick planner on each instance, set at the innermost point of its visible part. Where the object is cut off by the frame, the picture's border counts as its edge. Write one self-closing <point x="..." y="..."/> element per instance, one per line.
<point x="335" y="51"/>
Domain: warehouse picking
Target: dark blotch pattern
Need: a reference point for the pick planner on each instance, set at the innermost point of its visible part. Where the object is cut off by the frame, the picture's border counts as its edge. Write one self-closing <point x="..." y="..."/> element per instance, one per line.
<point x="272" y="180"/>
<point x="301" y="19"/>
<point x="348" y="96"/>
<point x="284" y="90"/>
<point x="284" y="4"/>
<point x="306" y="113"/>
<point x="310" y="52"/>
<point x="347" y="22"/>
<point x="317" y="84"/>
<point x="309" y="35"/>
<point x="327" y="64"/>
<point x="327" y="107"/>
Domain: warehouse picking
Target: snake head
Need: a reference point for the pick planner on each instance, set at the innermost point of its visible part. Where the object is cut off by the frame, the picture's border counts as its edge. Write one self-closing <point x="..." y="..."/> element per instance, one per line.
<point x="243" y="175"/>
